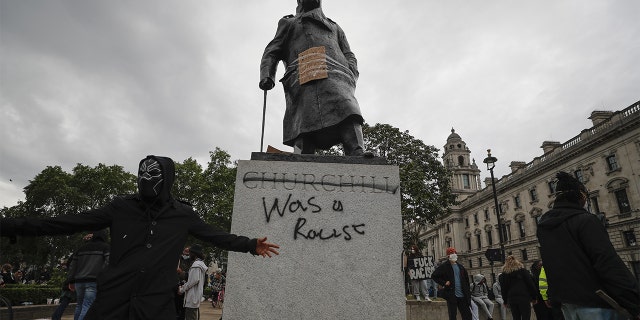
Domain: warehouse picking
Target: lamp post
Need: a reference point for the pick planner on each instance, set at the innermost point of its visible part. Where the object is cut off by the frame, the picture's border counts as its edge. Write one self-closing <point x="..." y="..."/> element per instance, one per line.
<point x="491" y="163"/>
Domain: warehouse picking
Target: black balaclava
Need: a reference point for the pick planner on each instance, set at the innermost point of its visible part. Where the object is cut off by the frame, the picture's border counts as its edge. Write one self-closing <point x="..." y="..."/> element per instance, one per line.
<point x="155" y="178"/>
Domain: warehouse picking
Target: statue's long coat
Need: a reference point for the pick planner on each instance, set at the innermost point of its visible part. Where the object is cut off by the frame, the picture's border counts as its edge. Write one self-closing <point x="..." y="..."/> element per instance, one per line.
<point x="318" y="104"/>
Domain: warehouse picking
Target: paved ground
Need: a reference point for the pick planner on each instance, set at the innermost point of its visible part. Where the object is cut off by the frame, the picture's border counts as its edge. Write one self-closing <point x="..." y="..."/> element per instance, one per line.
<point x="206" y="312"/>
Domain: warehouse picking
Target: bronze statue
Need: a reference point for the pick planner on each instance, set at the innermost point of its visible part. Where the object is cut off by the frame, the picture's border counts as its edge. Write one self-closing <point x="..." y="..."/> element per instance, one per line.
<point x="319" y="81"/>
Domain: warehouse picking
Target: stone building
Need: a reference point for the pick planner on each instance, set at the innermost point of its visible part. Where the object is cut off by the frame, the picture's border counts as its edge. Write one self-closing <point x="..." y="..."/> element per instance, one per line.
<point x="605" y="157"/>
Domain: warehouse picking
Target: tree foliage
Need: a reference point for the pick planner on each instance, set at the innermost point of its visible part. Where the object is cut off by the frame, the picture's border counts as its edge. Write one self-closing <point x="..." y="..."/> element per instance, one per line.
<point x="424" y="181"/>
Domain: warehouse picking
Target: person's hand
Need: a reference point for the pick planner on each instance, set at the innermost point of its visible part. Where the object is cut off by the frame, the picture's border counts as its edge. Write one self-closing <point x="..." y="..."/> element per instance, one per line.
<point x="72" y="287"/>
<point x="547" y="303"/>
<point x="266" y="84"/>
<point x="265" y="249"/>
<point x="448" y="283"/>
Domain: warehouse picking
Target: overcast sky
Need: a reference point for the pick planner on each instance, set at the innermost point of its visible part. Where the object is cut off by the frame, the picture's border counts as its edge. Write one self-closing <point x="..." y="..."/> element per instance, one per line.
<point x="109" y="82"/>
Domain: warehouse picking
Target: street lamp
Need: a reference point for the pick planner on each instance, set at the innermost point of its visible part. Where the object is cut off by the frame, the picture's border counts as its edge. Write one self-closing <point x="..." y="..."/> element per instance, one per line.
<point x="491" y="163"/>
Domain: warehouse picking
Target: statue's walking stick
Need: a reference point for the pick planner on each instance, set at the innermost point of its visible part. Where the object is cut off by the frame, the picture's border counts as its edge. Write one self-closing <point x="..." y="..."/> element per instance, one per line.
<point x="264" y="111"/>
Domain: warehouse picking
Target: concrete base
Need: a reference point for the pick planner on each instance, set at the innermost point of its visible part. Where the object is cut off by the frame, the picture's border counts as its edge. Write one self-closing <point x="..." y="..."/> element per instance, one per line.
<point x="340" y="231"/>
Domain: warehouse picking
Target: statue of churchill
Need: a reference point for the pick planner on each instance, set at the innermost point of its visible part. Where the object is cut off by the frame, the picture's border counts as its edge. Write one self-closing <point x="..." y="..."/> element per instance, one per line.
<point x="319" y="82"/>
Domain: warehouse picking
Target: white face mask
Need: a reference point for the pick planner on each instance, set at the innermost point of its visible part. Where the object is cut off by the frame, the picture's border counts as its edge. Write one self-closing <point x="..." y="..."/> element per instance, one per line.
<point x="185" y="256"/>
<point x="453" y="257"/>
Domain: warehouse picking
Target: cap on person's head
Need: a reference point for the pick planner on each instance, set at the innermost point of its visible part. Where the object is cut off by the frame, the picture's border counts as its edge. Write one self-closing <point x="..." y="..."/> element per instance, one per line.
<point x="451" y="250"/>
<point x="196" y="249"/>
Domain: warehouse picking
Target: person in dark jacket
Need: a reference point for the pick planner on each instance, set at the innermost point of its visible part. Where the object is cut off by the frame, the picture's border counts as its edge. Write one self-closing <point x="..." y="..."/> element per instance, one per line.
<point x="148" y="231"/>
<point x="86" y="264"/>
<point x="455" y="280"/>
<point x="65" y="297"/>
<point x="518" y="290"/>
<point x="184" y="264"/>
<point x="579" y="258"/>
<point x="319" y="81"/>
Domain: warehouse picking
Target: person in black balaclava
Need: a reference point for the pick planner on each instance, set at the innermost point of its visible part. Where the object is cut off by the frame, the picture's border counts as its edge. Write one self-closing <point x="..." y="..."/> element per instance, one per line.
<point x="148" y="231"/>
<point x="319" y="82"/>
<point x="579" y="258"/>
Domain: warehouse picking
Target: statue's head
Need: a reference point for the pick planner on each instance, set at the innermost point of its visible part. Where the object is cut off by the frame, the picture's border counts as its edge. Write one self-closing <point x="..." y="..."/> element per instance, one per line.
<point x="308" y="5"/>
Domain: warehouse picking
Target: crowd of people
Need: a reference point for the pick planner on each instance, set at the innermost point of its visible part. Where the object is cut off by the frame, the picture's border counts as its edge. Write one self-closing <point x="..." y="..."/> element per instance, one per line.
<point x="582" y="277"/>
<point x="24" y="274"/>
<point x="147" y="230"/>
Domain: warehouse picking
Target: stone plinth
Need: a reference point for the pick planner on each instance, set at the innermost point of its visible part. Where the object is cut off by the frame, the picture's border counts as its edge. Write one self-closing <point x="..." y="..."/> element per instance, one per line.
<point x="340" y="231"/>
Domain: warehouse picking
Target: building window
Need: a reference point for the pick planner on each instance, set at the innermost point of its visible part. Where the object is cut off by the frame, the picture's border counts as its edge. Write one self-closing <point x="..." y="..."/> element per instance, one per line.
<point x="466" y="221"/>
<point x="448" y="242"/>
<point x="479" y="261"/>
<point x="578" y="174"/>
<point x="506" y="232"/>
<point x="475" y="218"/>
<point x="486" y="215"/>
<point x="521" y="229"/>
<point x="612" y="163"/>
<point x="448" y="227"/>
<point x="461" y="161"/>
<point x="623" y="201"/>
<point x="593" y="205"/>
<point x="516" y="201"/>
<point x="489" y="238"/>
<point x="469" y="243"/>
<point x="534" y="195"/>
<point x="479" y="241"/>
<point x="630" y="238"/>
<point x="552" y="186"/>
<point x="523" y="252"/>
<point x="466" y="182"/>
<point x="470" y="263"/>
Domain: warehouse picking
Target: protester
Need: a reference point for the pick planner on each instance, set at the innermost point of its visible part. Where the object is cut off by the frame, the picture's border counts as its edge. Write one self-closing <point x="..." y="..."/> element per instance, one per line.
<point x="418" y="285"/>
<point x="7" y="274"/>
<point x="480" y="295"/>
<point x="148" y="231"/>
<point x="497" y="292"/>
<point x="184" y="264"/>
<point x="65" y="297"/>
<point x="455" y="280"/>
<point x="579" y="258"/>
<point x="540" y="308"/>
<point x="555" y="307"/>
<point x="86" y="264"/>
<point x="193" y="288"/>
<point x="18" y="276"/>
<point x="217" y="286"/>
<point x="518" y="289"/>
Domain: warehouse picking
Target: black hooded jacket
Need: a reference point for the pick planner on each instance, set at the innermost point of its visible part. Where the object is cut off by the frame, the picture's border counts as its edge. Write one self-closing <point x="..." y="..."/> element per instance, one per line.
<point x="146" y="242"/>
<point x="89" y="260"/>
<point x="579" y="259"/>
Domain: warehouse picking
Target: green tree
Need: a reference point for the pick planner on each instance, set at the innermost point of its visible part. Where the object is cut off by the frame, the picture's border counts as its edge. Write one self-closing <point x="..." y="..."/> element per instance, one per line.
<point x="424" y="181"/>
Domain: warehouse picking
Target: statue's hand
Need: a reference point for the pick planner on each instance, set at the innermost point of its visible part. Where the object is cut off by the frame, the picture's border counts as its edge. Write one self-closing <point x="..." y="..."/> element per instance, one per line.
<point x="266" y="84"/>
